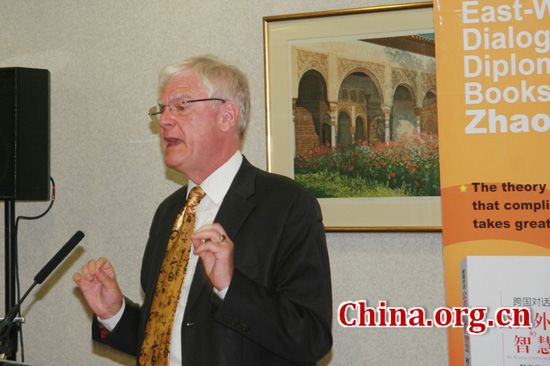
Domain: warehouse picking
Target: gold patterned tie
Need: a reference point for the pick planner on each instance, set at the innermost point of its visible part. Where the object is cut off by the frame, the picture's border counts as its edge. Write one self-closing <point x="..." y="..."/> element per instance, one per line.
<point x="155" y="349"/>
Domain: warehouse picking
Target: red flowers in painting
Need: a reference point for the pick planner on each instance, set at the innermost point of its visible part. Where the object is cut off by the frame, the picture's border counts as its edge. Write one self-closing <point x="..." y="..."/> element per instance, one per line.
<point x="411" y="163"/>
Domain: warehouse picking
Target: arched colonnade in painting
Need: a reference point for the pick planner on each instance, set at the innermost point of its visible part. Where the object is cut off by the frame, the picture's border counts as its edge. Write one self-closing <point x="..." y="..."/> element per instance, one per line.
<point x="338" y="100"/>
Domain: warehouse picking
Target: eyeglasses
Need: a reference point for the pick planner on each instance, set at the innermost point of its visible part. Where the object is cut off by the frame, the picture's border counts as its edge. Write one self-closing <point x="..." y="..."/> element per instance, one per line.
<point x="179" y="106"/>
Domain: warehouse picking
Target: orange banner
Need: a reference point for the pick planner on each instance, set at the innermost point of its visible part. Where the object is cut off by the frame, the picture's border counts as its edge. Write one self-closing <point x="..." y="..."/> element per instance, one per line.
<point x="493" y="95"/>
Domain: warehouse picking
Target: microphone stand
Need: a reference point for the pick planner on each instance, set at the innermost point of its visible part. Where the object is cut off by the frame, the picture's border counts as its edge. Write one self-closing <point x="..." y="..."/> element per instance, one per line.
<point x="8" y="327"/>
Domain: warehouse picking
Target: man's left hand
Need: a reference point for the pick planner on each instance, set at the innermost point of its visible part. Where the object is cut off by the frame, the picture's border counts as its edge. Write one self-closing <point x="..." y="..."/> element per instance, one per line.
<point x="216" y="251"/>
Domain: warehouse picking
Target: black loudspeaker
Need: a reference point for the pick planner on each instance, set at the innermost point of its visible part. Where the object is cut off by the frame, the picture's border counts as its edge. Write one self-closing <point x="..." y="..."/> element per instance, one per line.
<point x="24" y="134"/>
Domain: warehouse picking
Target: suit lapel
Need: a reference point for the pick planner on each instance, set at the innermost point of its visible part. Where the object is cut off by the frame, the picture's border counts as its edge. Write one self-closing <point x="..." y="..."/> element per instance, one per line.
<point x="236" y="205"/>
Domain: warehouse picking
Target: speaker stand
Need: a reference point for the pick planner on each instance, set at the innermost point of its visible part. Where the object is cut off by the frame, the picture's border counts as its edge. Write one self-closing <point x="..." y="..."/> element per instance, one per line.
<point x="10" y="257"/>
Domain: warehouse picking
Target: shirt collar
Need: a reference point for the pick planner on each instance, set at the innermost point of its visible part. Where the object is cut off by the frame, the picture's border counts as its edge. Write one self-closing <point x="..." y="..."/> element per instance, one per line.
<point x="218" y="183"/>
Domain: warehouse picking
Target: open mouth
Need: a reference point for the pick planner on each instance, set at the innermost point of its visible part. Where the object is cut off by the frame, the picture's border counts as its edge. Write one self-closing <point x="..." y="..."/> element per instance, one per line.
<point x="172" y="141"/>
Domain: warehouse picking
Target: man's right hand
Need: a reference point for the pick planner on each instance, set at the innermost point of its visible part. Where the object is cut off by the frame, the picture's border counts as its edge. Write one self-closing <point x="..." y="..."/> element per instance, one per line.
<point x="98" y="284"/>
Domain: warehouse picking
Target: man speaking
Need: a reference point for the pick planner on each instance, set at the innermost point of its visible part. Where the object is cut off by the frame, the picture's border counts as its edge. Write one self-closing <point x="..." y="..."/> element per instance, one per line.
<point x="236" y="270"/>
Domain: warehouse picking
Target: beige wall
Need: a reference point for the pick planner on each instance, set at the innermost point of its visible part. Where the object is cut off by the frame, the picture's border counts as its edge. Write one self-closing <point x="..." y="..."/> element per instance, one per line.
<point x="104" y="57"/>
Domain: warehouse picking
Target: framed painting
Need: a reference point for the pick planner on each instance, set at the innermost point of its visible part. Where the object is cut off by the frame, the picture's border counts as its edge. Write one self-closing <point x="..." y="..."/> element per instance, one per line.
<point x="352" y="115"/>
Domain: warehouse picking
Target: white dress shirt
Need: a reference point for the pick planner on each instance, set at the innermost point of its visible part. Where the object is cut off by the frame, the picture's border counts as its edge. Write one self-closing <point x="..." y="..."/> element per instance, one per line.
<point x="215" y="187"/>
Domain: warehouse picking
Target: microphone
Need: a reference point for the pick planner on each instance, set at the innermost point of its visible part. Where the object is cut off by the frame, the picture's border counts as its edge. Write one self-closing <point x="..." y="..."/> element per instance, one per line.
<point x="54" y="262"/>
<point x="7" y="323"/>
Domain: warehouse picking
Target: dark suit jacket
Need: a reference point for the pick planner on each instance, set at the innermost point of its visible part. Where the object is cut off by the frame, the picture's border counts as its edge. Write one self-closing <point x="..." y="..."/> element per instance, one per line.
<point x="277" y="310"/>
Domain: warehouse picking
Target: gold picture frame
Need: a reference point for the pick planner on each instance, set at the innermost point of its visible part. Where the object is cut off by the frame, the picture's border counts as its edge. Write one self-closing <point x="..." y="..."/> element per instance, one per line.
<point x="284" y="36"/>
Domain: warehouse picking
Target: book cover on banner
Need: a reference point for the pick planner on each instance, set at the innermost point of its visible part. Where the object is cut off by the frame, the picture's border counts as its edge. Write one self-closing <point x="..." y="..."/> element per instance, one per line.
<point x="508" y="281"/>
